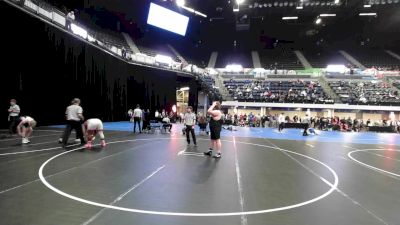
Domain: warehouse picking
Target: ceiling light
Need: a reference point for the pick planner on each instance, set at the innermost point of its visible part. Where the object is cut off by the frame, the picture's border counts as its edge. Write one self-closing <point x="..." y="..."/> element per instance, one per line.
<point x="368" y="14"/>
<point x="240" y="1"/>
<point x="367" y="6"/>
<point x="180" y="3"/>
<point x="290" y="18"/>
<point x="327" y="15"/>
<point x="318" y="21"/>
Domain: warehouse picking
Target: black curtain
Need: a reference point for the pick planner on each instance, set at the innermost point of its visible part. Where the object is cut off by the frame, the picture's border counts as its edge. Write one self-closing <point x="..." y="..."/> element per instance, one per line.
<point x="44" y="68"/>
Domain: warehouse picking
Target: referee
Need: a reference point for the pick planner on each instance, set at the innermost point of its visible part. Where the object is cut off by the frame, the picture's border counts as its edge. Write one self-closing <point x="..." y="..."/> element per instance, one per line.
<point x="189" y="122"/>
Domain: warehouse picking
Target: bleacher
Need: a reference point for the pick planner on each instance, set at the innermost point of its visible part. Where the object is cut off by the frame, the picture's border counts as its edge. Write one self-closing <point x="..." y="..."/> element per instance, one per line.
<point x="375" y="58"/>
<point x="365" y="92"/>
<point x="226" y="58"/>
<point x="279" y="59"/>
<point x="200" y="59"/>
<point x="294" y="91"/>
<point x="321" y="59"/>
<point x="162" y="50"/>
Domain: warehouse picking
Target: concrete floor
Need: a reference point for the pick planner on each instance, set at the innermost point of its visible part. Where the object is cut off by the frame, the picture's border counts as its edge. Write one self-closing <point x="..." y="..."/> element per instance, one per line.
<point x="258" y="181"/>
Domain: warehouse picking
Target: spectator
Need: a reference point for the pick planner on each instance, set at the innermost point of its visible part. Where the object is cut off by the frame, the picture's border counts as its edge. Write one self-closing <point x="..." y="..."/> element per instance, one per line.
<point x="70" y="18"/>
<point x="167" y="124"/>
<point x="146" y="120"/>
<point x="137" y="118"/>
<point x="13" y="116"/>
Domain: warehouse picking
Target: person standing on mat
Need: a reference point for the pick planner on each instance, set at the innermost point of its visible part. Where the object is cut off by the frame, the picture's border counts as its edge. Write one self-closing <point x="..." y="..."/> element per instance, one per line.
<point x="281" y="121"/>
<point x="77" y="140"/>
<point x="215" y="128"/>
<point x="189" y="122"/>
<point x="74" y="118"/>
<point x="306" y="123"/>
<point x="137" y="118"/>
<point x="13" y="116"/>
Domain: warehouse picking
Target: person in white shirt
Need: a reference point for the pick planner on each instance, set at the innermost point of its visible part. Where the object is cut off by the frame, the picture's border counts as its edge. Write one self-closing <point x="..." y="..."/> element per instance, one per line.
<point x="70" y="18"/>
<point x="71" y="15"/>
<point x="91" y="128"/>
<point x="13" y="116"/>
<point x="137" y="118"/>
<point x="281" y="121"/>
<point x="130" y="114"/>
<point x="189" y="121"/>
<point x="25" y="128"/>
<point x="74" y="118"/>
<point x="167" y="123"/>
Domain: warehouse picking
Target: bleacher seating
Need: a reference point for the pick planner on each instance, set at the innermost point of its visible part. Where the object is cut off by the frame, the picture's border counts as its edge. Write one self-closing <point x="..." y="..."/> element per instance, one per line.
<point x="365" y="92"/>
<point x="375" y="58"/>
<point x="226" y="58"/>
<point x="199" y="59"/>
<point x="321" y="59"/>
<point x="295" y="91"/>
<point x="280" y="59"/>
<point x="163" y="50"/>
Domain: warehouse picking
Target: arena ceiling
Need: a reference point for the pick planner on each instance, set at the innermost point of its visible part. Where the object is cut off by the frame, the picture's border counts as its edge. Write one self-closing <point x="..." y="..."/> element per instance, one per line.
<point x="258" y="23"/>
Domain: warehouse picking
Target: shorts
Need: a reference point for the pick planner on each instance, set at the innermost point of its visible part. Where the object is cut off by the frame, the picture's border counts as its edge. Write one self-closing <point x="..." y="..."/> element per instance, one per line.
<point x="94" y="124"/>
<point x="215" y="133"/>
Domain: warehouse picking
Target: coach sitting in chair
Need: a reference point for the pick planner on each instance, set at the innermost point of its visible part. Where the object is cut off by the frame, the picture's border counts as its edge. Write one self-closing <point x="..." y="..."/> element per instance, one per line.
<point x="167" y="124"/>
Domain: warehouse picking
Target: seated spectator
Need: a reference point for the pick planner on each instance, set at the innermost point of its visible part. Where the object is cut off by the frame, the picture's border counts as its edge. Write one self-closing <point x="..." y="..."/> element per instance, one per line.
<point x="202" y="122"/>
<point x="167" y="124"/>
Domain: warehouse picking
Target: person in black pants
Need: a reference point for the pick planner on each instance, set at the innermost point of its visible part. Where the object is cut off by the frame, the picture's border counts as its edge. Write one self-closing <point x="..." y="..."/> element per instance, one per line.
<point x="137" y="118"/>
<point x="306" y="124"/>
<point x="74" y="118"/>
<point x="189" y="122"/>
<point x="146" y="120"/>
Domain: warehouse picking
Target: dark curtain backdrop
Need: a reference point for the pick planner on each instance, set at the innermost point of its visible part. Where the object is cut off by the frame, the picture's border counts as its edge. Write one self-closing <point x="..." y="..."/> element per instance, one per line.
<point x="44" y="68"/>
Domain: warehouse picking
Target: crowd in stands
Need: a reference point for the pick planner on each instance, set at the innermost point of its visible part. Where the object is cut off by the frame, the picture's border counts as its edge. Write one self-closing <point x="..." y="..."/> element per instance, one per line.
<point x="365" y="92"/>
<point x="320" y="123"/>
<point x="293" y="91"/>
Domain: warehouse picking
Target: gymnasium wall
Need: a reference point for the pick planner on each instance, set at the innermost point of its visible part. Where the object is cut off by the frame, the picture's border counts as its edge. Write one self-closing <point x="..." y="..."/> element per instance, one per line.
<point x="44" y="68"/>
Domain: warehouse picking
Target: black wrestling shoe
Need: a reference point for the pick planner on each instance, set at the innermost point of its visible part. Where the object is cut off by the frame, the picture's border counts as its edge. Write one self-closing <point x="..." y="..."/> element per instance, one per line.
<point x="209" y="153"/>
<point x="217" y="156"/>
